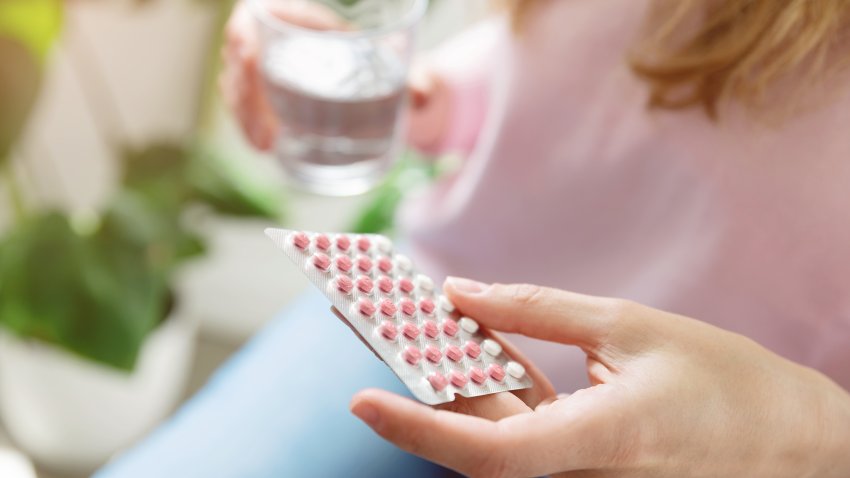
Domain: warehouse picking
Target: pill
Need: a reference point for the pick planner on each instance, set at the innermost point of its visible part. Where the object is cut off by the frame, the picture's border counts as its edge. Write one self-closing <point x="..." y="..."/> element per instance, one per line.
<point x="323" y="243"/>
<point x="433" y="354"/>
<point x="515" y="370"/>
<point x="388" y="330"/>
<point x="424" y="283"/>
<point x="446" y="304"/>
<point x="468" y="325"/>
<point x="410" y="331"/>
<point x="491" y="347"/>
<point x="477" y="375"/>
<point x="365" y="307"/>
<point x="430" y="328"/>
<point x="344" y="284"/>
<point x="457" y="379"/>
<point x="438" y="381"/>
<point x="496" y="372"/>
<point x="405" y="285"/>
<point x="472" y="349"/>
<point x="364" y="244"/>
<point x="385" y="285"/>
<point x="450" y="327"/>
<point x="412" y="355"/>
<point x="408" y="308"/>
<point x="343" y="242"/>
<point x="385" y="264"/>
<point x="403" y="263"/>
<point x="454" y="353"/>
<point x="300" y="240"/>
<point x="427" y="306"/>
<point x="364" y="263"/>
<point x="343" y="263"/>
<point x="388" y="308"/>
<point x="383" y="244"/>
<point x="321" y="261"/>
<point x="364" y="284"/>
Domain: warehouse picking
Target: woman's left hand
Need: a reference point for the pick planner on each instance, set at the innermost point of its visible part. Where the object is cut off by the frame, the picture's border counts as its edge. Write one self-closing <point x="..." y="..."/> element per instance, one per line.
<point x="670" y="397"/>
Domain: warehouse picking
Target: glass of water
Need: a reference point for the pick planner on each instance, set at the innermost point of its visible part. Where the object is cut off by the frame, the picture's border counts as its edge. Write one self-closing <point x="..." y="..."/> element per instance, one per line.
<point x="339" y="94"/>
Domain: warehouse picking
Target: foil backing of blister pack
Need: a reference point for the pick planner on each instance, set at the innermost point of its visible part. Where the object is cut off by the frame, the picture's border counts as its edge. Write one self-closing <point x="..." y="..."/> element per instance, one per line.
<point x="415" y="377"/>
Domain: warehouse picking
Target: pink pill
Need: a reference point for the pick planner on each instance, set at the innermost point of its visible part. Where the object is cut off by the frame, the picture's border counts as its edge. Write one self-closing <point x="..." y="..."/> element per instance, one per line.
<point x="388" y="308"/>
<point x="438" y="381"/>
<point x="343" y="243"/>
<point x="301" y="240"/>
<point x="477" y="375"/>
<point x="406" y="285"/>
<point x="366" y="307"/>
<point x="412" y="355"/>
<point x="388" y="330"/>
<point x="364" y="263"/>
<point x="407" y="307"/>
<point x="385" y="264"/>
<point x="344" y="284"/>
<point x="496" y="372"/>
<point x="472" y="349"/>
<point x="430" y="328"/>
<point x="321" y="261"/>
<point x="343" y="263"/>
<point x="427" y="306"/>
<point x="364" y="284"/>
<point x="458" y="379"/>
<point x="450" y="327"/>
<point x="322" y="242"/>
<point x="454" y="353"/>
<point x="410" y="331"/>
<point x="385" y="284"/>
<point x="364" y="244"/>
<point x="433" y="354"/>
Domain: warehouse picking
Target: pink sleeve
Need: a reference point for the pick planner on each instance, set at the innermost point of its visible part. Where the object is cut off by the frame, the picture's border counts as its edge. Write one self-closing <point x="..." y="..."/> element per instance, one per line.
<point x="464" y="64"/>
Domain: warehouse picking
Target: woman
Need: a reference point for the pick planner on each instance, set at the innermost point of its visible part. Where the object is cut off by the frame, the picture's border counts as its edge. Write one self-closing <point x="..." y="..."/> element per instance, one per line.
<point x="689" y="155"/>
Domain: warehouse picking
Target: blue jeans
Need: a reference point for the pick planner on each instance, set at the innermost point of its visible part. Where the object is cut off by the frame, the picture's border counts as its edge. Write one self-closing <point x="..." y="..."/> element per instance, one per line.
<point x="279" y="408"/>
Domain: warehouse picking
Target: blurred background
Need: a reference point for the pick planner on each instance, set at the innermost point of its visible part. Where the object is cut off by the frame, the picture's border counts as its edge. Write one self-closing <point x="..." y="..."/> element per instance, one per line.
<point x="132" y="258"/>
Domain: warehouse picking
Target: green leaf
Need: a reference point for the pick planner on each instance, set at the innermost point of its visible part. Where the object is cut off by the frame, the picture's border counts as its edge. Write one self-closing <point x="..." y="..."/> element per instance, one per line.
<point x="95" y="296"/>
<point x="20" y="77"/>
<point x="231" y="188"/>
<point x="34" y="24"/>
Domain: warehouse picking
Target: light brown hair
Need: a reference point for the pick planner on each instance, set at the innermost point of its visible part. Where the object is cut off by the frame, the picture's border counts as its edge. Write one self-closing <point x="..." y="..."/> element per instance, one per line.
<point x="703" y="52"/>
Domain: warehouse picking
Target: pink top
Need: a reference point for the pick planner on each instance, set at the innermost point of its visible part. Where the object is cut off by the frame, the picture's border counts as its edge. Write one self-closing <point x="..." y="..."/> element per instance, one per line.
<point x="570" y="182"/>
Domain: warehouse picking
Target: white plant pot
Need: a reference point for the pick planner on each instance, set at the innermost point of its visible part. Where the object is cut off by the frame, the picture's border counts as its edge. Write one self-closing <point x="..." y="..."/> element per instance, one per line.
<point x="72" y="414"/>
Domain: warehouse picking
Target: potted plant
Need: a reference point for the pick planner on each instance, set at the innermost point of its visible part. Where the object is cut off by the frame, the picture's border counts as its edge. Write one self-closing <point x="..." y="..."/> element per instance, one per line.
<point x="93" y="348"/>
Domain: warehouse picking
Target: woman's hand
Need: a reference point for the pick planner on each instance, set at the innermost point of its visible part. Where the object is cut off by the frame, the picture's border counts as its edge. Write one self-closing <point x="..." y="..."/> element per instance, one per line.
<point x="670" y="397"/>
<point x="241" y="80"/>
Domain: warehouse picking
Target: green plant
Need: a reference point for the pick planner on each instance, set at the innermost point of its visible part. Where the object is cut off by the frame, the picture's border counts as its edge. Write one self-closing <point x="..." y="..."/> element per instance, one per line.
<point x="97" y="284"/>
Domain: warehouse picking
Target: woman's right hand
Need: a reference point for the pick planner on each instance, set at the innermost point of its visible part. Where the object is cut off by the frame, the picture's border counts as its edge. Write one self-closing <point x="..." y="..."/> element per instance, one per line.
<point x="241" y="80"/>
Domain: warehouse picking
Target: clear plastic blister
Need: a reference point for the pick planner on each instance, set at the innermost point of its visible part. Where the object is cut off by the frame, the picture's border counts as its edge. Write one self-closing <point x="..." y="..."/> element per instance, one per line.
<point x="401" y="314"/>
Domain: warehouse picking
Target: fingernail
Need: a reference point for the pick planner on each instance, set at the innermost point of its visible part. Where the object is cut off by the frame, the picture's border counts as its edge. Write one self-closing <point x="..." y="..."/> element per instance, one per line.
<point x="366" y="412"/>
<point x="465" y="286"/>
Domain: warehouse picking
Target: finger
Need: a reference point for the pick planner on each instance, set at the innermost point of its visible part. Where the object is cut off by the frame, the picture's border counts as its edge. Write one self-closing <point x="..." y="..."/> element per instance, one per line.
<point x="460" y="442"/>
<point x="542" y="388"/>
<point x="570" y="434"/>
<point x="311" y="15"/>
<point x="535" y="311"/>
<point x="491" y="407"/>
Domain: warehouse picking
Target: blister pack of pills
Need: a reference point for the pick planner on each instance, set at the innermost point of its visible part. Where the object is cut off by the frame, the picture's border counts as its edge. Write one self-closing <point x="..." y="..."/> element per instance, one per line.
<point x="414" y="329"/>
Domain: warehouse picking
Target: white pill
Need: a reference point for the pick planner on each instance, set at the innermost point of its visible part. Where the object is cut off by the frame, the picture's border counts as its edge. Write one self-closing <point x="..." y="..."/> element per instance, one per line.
<point x="515" y="370"/>
<point x="491" y="347"/>
<point x="424" y="283"/>
<point x="446" y="304"/>
<point x="384" y="245"/>
<point x="468" y="325"/>
<point x="403" y="263"/>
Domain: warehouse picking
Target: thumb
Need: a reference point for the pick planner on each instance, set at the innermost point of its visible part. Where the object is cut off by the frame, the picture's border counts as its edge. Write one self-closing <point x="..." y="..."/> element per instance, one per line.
<point x="538" y="312"/>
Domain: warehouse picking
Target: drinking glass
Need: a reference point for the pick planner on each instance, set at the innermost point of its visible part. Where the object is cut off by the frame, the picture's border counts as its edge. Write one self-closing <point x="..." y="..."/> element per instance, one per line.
<point x="339" y="94"/>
